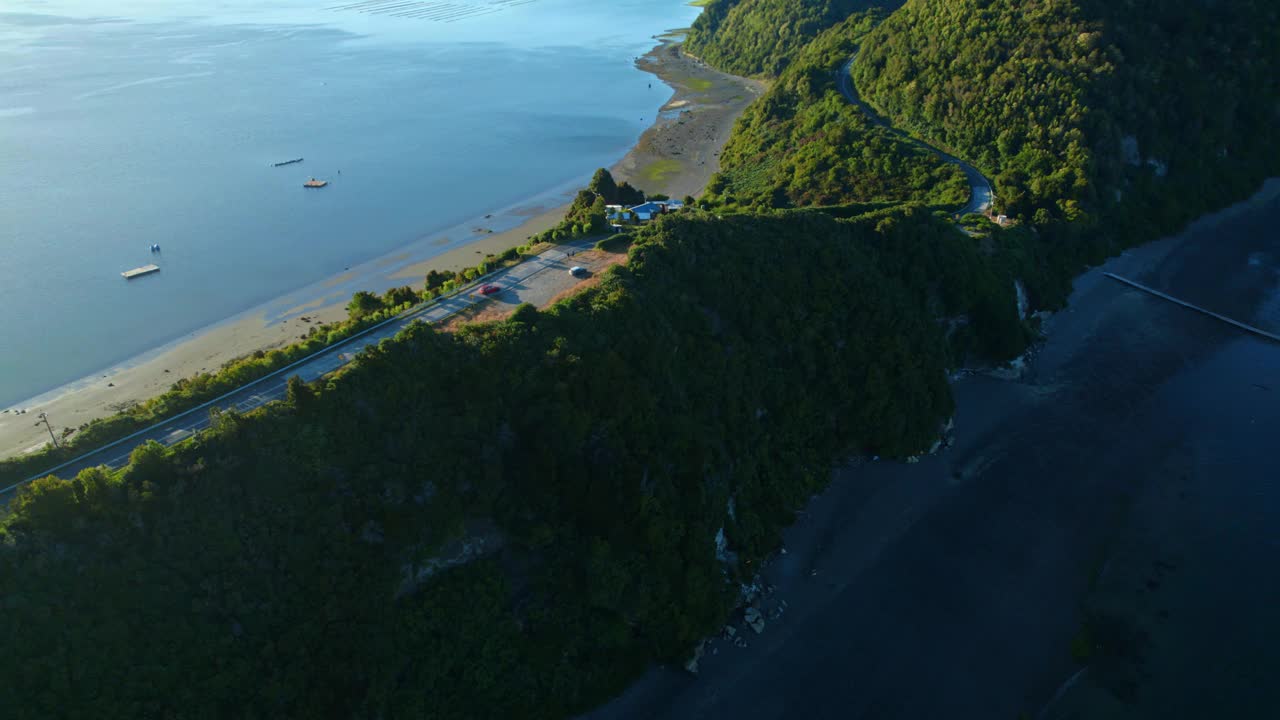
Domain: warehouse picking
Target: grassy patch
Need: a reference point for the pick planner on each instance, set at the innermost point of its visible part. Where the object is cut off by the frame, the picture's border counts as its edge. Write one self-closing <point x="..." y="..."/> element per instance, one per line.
<point x="697" y="84"/>
<point x="615" y="243"/>
<point x="659" y="170"/>
<point x="699" y="3"/>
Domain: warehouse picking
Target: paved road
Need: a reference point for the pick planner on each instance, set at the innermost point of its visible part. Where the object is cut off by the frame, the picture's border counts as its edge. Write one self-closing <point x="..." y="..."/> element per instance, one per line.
<point x="980" y="192"/>
<point x="515" y="281"/>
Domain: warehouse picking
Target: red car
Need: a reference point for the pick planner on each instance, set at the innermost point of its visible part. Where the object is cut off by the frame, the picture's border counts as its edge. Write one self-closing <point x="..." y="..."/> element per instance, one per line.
<point x="490" y="289"/>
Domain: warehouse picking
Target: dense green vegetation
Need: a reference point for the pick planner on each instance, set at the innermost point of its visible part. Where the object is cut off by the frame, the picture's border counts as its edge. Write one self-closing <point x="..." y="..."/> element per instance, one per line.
<point x="762" y="37"/>
<point x="269" y="568"/>
<point x="1075" y="107"/>
<point x="513" y="519"/>
<point x="804" y="144"/>
<point x="587" y="214"/>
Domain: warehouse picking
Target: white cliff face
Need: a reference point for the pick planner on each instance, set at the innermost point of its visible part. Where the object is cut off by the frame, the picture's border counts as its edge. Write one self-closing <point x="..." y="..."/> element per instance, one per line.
<point x="1024" y="305"/>
<point x="482" y="540"/>
<point x="722" y="546"/>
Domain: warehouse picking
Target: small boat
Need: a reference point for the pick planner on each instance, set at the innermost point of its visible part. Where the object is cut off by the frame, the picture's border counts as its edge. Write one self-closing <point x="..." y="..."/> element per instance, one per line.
<point x="286" y="162"/>
<point x="314" y="183"/>
<point x="140" y="271"/>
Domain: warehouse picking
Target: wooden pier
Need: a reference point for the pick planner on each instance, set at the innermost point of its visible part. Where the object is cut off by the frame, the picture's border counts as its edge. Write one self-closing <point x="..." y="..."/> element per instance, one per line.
<point x="1247" y="328"/>
<point x="140" y="271"/>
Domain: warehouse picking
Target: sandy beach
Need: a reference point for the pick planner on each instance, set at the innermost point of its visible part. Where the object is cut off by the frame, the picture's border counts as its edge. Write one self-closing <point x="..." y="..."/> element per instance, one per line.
<point x="676" y="156"/>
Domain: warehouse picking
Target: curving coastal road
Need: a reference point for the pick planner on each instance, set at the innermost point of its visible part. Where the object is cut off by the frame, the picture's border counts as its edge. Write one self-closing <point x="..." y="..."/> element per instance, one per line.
<point x="516" y="281"/>
<point x="980" y="192"/>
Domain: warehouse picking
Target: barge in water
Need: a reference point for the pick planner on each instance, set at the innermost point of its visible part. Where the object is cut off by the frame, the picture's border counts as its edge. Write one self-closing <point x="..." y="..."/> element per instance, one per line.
<point x="140" y="271"/>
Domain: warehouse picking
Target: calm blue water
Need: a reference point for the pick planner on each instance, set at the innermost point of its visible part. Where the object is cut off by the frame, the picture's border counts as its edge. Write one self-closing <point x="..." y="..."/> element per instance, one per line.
<point x="158" y="123"/>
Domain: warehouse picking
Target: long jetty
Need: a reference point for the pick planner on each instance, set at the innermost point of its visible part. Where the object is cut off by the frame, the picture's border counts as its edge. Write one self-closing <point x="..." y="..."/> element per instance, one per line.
<point x="1247" y="328"/>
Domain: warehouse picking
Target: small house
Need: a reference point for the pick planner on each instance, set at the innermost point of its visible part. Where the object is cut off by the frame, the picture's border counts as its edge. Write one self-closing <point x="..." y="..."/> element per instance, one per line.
<point x="654" y="208"/>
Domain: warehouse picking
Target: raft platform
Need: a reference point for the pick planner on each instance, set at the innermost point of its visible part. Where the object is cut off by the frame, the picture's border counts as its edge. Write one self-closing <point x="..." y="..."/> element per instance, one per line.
<point x="314" y="183"/>
<point x="140" y="271"/>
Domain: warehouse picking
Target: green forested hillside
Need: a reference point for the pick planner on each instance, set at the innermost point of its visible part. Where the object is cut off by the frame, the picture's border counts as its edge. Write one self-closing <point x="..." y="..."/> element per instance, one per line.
<point x="512" y="520"/>
<point x="760" y="37"/>
<point x="277" y="566"/>
<point x="1071" y="105"/>
<point x="804" y="144"/>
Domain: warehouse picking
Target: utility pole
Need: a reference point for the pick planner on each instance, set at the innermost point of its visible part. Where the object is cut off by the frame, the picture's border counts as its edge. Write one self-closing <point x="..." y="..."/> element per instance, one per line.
<point x="44" y="418"/>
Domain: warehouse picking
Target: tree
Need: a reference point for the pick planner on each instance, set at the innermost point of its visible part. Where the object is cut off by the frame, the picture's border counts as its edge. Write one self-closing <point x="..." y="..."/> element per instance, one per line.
<point x="395" y="297"/>
<point x="525" y="313"/>
<point x="298" y="393"/>
<point x="602" y="184"/>
<point x="599" y="217"/>
<point x="436" y="279"/>
<point x="363" y="304"/>
<point x="628" y="195"/>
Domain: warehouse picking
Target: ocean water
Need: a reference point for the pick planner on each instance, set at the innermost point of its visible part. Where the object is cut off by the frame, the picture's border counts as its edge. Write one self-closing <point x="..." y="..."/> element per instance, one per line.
<point x="1133" y="469"/>
<point x="125" y="124"/>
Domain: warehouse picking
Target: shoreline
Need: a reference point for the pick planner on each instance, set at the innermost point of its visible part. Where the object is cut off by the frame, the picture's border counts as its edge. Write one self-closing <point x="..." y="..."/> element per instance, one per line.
<point x="877" y="562"/>
<point x="676" y="155"/>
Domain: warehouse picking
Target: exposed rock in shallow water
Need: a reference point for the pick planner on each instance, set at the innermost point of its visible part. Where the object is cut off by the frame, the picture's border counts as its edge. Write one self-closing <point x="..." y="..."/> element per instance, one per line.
<point x="692" y="664"/>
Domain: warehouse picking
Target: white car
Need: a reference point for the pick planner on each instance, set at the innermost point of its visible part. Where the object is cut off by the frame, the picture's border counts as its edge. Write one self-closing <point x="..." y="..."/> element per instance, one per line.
<point x="577" y="271"/>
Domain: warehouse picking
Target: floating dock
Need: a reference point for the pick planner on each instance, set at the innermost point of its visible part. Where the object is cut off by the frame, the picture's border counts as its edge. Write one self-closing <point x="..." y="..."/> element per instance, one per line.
<point x="314" y="183"/>
<point x="286" y="162"/>
<point x="140" y="271"/>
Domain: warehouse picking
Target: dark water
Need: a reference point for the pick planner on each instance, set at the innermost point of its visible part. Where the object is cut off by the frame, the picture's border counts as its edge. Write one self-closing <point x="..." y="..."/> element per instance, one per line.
<point x="1144" y="432"/>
